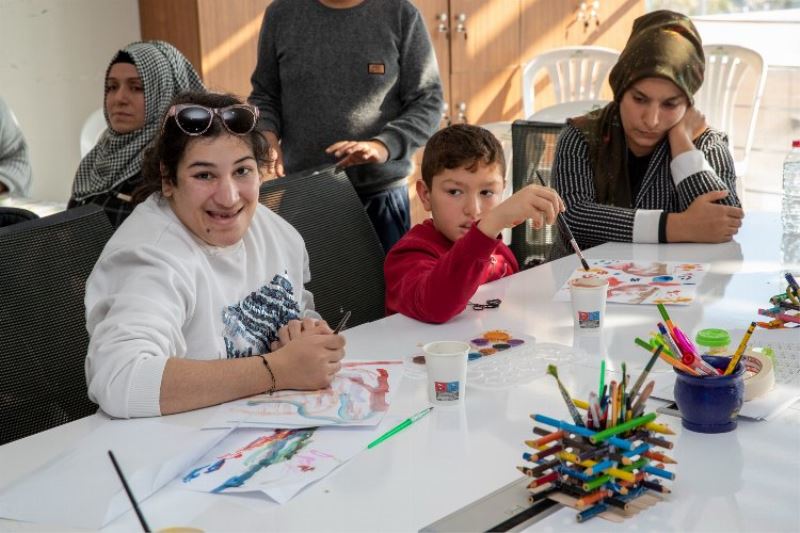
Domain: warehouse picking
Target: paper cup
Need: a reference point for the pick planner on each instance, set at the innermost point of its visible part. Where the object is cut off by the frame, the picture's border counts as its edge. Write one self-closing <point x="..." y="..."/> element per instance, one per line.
<point x="588" y="304"/>
<point x="446" y="362"/>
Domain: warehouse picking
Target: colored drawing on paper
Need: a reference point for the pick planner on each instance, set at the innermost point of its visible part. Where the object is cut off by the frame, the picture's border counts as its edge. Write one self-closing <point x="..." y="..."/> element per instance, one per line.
<point x="359" y="395"/>
<point x="277" y="462"/>
<point x="642" y="282"/>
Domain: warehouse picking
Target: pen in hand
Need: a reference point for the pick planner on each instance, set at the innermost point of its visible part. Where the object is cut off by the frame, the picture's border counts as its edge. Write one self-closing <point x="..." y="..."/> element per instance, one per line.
<point x="563" y="223"/>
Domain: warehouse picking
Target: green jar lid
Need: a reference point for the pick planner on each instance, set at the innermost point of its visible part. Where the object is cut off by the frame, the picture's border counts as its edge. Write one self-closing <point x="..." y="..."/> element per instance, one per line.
<point x="713" y="337"/>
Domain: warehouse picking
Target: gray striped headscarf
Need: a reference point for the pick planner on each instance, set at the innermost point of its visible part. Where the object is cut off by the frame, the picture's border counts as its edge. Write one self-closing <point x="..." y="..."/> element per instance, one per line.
<point x="165" y="72"/>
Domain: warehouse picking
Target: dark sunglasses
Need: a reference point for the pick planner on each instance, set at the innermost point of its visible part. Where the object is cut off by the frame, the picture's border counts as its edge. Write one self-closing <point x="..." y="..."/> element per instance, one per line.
<point x="494" y="303"/>
<point x="194" y="119"/>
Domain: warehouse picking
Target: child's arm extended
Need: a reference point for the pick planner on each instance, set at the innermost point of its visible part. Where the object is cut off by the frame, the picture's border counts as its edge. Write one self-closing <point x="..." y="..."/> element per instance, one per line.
<point x="425" y="284"/>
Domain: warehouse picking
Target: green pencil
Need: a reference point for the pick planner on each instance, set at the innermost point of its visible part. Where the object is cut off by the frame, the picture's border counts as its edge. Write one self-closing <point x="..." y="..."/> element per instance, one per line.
<point x="621" y="428"/>
<point x="399" y="427"/>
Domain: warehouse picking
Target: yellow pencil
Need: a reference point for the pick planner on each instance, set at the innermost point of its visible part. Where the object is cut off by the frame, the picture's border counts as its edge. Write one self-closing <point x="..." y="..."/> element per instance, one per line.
<point x="659" y="428"/>
<point x="740" y="350"/>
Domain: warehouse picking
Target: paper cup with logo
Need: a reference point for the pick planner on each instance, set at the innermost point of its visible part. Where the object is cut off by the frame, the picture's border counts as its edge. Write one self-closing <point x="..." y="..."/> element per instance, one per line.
<point x="588" y="304"/>
<point x="446" y="362"/>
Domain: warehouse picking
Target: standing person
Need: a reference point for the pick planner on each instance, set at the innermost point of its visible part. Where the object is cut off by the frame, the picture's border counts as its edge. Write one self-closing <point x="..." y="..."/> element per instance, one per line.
<point x="15" y="166"/>
<point x="353" y="82"/>
<point x="198" y="297"/>
<point x="647" y="167"/>
<point x="140" y="81"/>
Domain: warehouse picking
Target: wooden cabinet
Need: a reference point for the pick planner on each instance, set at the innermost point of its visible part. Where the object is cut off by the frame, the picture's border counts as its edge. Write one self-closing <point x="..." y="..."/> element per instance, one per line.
<point x="219" y="37"/>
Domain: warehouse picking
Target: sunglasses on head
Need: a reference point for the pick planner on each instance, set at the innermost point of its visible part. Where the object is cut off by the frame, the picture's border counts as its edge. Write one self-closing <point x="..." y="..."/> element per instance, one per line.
<point x="193" y="119"/>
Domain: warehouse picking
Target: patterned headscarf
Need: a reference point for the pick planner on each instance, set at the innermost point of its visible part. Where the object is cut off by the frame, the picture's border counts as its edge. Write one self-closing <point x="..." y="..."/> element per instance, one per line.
<point x="165" y="72"/>
<point x="663" y="44"/>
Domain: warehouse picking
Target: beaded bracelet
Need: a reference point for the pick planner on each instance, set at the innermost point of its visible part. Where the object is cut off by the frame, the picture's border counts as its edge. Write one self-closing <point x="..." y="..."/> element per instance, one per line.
<point x="271" y="375"/>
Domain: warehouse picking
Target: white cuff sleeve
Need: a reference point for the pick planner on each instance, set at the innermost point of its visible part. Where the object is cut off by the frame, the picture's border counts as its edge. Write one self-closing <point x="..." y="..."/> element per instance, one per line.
<point x="688" y="163"/>
<point x="645" y="225"/>
<point x="145" y="393"/>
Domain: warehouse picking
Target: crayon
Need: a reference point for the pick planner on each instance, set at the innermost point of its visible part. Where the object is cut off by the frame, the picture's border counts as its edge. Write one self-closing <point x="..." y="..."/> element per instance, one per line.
<point x="660" y="472"/>
<point x="625" y="426"/>
<point x="658" y="487"/>
<point x="592" y="497"/>
<point x="740" y="350"/>
<point x="591" y="512"/>
<point x="658" y="456"/>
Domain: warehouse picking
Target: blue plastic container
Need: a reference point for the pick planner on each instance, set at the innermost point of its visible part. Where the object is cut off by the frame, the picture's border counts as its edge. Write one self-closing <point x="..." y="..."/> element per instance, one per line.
<point x="710" y="404"/>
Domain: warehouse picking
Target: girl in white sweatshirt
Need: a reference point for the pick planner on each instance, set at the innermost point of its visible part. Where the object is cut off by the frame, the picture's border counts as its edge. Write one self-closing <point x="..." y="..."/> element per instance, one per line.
<point x="198" y="297"/>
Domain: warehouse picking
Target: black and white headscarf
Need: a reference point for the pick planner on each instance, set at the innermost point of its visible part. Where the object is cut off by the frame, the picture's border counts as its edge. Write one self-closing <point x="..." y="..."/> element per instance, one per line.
<point x="165" y="72"/>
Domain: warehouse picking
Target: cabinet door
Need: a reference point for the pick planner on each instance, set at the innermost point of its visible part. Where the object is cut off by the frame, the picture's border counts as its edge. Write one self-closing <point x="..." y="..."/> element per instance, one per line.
<point x="484" y="55"/>
<point x="436" y="14"/>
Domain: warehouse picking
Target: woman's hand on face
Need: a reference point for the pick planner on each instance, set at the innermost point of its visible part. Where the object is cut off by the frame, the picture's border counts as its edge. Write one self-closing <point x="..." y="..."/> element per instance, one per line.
<point x="294" y="329"/>
<point x="308" y="362"/>
<point x="692" y="125"/>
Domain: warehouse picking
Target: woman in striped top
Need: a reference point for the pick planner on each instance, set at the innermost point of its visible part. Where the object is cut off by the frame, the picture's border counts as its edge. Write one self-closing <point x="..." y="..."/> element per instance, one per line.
<point x="647" y="168"/>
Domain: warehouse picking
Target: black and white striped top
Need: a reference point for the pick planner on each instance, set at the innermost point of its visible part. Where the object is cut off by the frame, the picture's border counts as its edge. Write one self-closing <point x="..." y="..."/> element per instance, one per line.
<point x="593" y="223"/>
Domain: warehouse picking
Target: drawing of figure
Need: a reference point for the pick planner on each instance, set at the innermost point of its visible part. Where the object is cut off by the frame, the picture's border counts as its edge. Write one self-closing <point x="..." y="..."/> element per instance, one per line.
<point x="642" y="269"/>
<point x="631" y="293"/>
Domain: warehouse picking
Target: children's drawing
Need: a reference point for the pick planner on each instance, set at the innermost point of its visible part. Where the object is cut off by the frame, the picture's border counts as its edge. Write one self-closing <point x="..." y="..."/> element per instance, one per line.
<point x="642" y="282"/>
<point x="359" y="396"/>
<point x="277" y="462"/>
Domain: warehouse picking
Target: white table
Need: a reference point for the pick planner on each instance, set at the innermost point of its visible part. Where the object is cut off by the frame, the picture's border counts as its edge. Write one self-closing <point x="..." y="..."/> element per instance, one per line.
<point x="746" y="480"/>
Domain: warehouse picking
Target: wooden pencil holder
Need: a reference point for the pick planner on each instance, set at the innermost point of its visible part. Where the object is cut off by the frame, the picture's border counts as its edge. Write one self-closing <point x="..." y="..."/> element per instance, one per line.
<point x="612" y="472"/>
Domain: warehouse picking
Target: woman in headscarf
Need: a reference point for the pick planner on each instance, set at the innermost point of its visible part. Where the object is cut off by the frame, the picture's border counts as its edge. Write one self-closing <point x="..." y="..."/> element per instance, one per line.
<point x="140" y="82"/>
<point x="647" y="168"/>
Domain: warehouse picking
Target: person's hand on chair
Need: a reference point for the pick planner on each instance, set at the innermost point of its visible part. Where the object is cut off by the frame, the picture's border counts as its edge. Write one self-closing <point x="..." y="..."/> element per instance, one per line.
<point x="358" y="152"/>
<point x="274" y="168"/>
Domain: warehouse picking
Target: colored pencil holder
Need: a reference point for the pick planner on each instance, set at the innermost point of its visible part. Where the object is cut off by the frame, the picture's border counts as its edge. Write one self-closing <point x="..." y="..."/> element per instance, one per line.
<point x="710" y="404"/>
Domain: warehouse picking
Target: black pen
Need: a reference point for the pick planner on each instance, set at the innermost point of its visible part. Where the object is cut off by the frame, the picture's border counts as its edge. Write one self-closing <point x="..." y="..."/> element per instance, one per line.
<point x="563" y="222"/>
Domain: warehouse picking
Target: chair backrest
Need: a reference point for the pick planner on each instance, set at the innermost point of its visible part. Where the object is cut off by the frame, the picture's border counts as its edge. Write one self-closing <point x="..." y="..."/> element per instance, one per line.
<point x="15" y="215"/>
<point x="727" y="67"/>
<point x="92" y="130"/>
<point x="575" y="72"/>
<point x="44" y="265"/>
<point x="345" y="255"/>
<point x="534" y="150"/>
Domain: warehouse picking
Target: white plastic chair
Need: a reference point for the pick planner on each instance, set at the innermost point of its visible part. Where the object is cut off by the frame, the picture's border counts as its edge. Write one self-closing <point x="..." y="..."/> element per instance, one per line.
<point x="576" y="72"/>
<point x="726" y="68"/>
<point x="92" y="130"/>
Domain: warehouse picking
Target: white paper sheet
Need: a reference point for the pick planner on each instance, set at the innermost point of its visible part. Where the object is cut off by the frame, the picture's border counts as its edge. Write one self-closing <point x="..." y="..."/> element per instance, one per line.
<point x="359" y="396"/>
<point x="278" y="462"/>
<point x="642" y="282"/>
<point x="80" y="488"/>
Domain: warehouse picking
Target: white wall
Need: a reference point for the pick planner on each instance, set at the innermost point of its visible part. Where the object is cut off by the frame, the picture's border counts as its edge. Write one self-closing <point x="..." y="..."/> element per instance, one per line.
<point x="53" y="56"/>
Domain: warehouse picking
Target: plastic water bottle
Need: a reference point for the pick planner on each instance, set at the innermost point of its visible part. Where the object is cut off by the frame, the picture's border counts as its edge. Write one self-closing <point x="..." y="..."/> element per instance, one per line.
<point x="791" y="190"/>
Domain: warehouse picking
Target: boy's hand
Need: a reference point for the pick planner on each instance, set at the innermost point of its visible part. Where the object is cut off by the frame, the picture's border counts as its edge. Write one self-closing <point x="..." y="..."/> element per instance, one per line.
<point x="294" y="329"/>
<point x="540" y="204"/>
<point x="309" y="362"/>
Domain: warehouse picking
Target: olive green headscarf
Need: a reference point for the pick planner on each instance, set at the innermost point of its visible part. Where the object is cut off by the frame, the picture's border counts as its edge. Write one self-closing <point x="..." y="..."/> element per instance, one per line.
<point x="662" y="44"/>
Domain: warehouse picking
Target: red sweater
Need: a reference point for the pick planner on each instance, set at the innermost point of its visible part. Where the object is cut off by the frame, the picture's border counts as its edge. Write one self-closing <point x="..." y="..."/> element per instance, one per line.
<point x="430" y="278"/>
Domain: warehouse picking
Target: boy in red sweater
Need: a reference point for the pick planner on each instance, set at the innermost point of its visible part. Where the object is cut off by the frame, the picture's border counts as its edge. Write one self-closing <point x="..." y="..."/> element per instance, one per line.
<point x="433" y="271"/>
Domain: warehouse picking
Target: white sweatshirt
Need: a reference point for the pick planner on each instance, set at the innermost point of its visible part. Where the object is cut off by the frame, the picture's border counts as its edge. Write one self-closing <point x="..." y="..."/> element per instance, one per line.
<point x="157" y="291"/>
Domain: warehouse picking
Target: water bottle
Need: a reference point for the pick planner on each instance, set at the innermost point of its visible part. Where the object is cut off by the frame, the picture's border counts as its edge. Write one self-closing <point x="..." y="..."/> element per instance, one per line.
<point x="790" y="214"/>
<point x="791" y="190"/>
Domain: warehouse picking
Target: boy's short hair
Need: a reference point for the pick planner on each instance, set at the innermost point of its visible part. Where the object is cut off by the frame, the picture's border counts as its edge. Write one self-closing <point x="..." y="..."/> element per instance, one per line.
<point x="461" y="145"/>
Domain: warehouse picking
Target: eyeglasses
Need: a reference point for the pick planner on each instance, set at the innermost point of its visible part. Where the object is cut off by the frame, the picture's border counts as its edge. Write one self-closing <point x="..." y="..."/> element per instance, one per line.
<point x="494" y="303"/>
<point x="194" y="119"/>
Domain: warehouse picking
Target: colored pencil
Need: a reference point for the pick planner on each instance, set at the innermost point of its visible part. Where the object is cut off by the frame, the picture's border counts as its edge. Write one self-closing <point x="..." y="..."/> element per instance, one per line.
<point x="645" y="372"/>
<point x="639" y="403"/>
<point x="621" y="428"/>
<point x="602" y="378"/>
<point x="740" y="350"/>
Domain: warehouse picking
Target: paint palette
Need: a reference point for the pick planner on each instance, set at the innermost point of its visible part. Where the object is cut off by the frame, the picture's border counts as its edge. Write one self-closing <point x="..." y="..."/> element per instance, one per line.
<point x="493" y="342"/>
<point x="515" y="366"/>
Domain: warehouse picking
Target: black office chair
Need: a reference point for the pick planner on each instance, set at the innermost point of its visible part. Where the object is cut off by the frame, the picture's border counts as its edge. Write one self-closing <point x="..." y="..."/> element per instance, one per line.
<point x="345" y="255"/>
<point x="44" y="264"/>
<point x="15" y="215"/>
<point x="533" y="147"/>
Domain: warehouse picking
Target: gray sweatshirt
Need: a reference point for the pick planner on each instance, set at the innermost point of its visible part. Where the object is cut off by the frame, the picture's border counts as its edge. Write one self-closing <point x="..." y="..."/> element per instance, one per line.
<point x="326" y="75"/>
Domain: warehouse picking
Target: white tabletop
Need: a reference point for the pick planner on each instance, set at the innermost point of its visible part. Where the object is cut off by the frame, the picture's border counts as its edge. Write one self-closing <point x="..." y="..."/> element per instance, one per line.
<point x="746" y="480"/>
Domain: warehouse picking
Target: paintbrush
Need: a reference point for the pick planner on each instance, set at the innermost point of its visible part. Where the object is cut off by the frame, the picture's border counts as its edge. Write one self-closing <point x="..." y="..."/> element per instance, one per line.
<point x="342" y="323"/>
<point x="573" y="411"/>
<point x="563" y="222"/>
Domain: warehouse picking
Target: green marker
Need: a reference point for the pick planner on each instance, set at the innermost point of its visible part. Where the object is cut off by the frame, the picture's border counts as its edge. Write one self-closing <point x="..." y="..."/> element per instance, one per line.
<point x="400" y="427"/>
